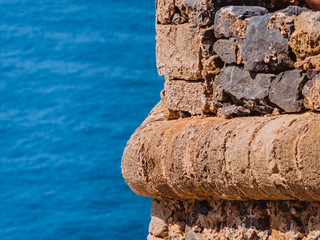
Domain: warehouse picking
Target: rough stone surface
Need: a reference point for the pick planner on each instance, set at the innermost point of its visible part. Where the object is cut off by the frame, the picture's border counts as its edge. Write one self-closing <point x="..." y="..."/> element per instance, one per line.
<point x="200" y="13"/>
<point x="165" y="11"/>
<point x="226" y="50"/>
<point x="265" y="48"/>
<point x="211" y="63"/>
<point x="178" y="52"/>
<point x="226" y="17"/>
<point x="211" y="66"/>
<point x="311" y="93"/>
<point x="305" y="41"/>
<point x="188" y="96"/>
<point x="261" y="158"/>
<point x="219" y="219"/>
<point x="308" y="63"/>
<point x="238" y="86"/>
<point x="243" y="177"/>
<point x="286" y="90"/>
<point x="158" y="227"/>
<point x="233" y="111"/>
<point x="196" y="12"/>
<point x="182" y="54"/>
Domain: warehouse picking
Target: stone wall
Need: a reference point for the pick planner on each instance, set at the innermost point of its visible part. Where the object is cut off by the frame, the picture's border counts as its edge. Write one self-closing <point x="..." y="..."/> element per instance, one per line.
<point x="220" y="219"/>
<point x="245" y="61"/>
<point x="232" y="150"/>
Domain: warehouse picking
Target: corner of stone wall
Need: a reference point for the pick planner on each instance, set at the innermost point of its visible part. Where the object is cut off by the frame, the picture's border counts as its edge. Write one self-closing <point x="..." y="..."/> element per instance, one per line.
<point x="232" y="149"/>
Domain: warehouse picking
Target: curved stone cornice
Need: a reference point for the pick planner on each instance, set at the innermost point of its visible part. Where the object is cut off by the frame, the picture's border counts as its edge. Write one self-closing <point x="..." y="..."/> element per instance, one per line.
<point x="260" y="158"/>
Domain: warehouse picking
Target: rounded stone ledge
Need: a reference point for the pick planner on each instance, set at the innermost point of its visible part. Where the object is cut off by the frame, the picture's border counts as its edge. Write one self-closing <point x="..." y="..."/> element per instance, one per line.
<point x="247" y="158"/>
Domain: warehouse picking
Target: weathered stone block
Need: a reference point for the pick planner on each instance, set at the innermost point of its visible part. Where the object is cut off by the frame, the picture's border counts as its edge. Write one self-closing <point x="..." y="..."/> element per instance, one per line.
<point x="261" y="47"/>
<point x="311" y="93"/>
<point x="305" y="41"/>
<point x="226" y="17"/>
<point x="241" y="87"/>
<point x="265" y="48"/>
<point x="286" y="90"/>
<point x="178" y="52"/>
<point x="226" y="50"/>
<point x="241" y="84"/>
<point x="187" y="96"/>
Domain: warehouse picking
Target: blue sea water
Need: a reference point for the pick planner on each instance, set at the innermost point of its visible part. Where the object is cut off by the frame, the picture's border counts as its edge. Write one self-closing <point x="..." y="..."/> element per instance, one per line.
<point x="77" y="77"/>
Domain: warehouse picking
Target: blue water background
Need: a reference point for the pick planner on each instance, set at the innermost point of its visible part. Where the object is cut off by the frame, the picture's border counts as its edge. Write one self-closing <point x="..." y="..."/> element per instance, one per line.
<point x="77" y="78"/>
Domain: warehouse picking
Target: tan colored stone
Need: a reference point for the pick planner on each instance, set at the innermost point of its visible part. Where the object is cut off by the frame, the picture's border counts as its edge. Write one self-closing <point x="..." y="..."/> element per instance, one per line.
<point x="165" y="11"/>
<point x="211" y="66"/>
<point x="178" y="52"/>
<point x="158" y="227"/>
<point x="305" y="41"/>
<point x="311" y="93"/>
<point x="211" y="62"/>
<point x="188" y="96"/>
<point x="160" y="113"/>
<point x="269" y="220"/>
<point x="151" y="237"/>
<point x="308" y="63"/>
<point x="182" y="54"/>
<point x="262" y="158"/>
<point x="176" y="232"/>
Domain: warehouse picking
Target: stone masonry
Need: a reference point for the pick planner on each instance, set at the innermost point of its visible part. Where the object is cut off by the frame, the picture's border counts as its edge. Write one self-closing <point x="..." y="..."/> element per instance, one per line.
<point x="232" y="150"/>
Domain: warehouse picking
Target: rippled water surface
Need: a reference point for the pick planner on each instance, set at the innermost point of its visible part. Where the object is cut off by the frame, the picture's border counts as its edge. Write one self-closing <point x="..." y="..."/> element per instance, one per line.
<point x="77" y="77"/>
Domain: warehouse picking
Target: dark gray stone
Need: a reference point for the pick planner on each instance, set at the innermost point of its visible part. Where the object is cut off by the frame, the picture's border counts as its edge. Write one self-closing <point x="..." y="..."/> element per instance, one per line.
<point x="265" y="48"/>
<point x="207" y="41"/>
<point x="191" y="3"/>
<point x="286" y="90"/>
<point x="261" y="106"/>
<point x="203" y="15"/>
<point x="311" y="74"/>
<point x="202" y="207"/>
<point x="241" y="84"/>
<point x="226" y="17"/>
<point x="208" y="34"/>
<point x="233" y="111"/>
<point x="293" y="10"/>
<point x="237" y="86"/>
<point x="226" y="50"/>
